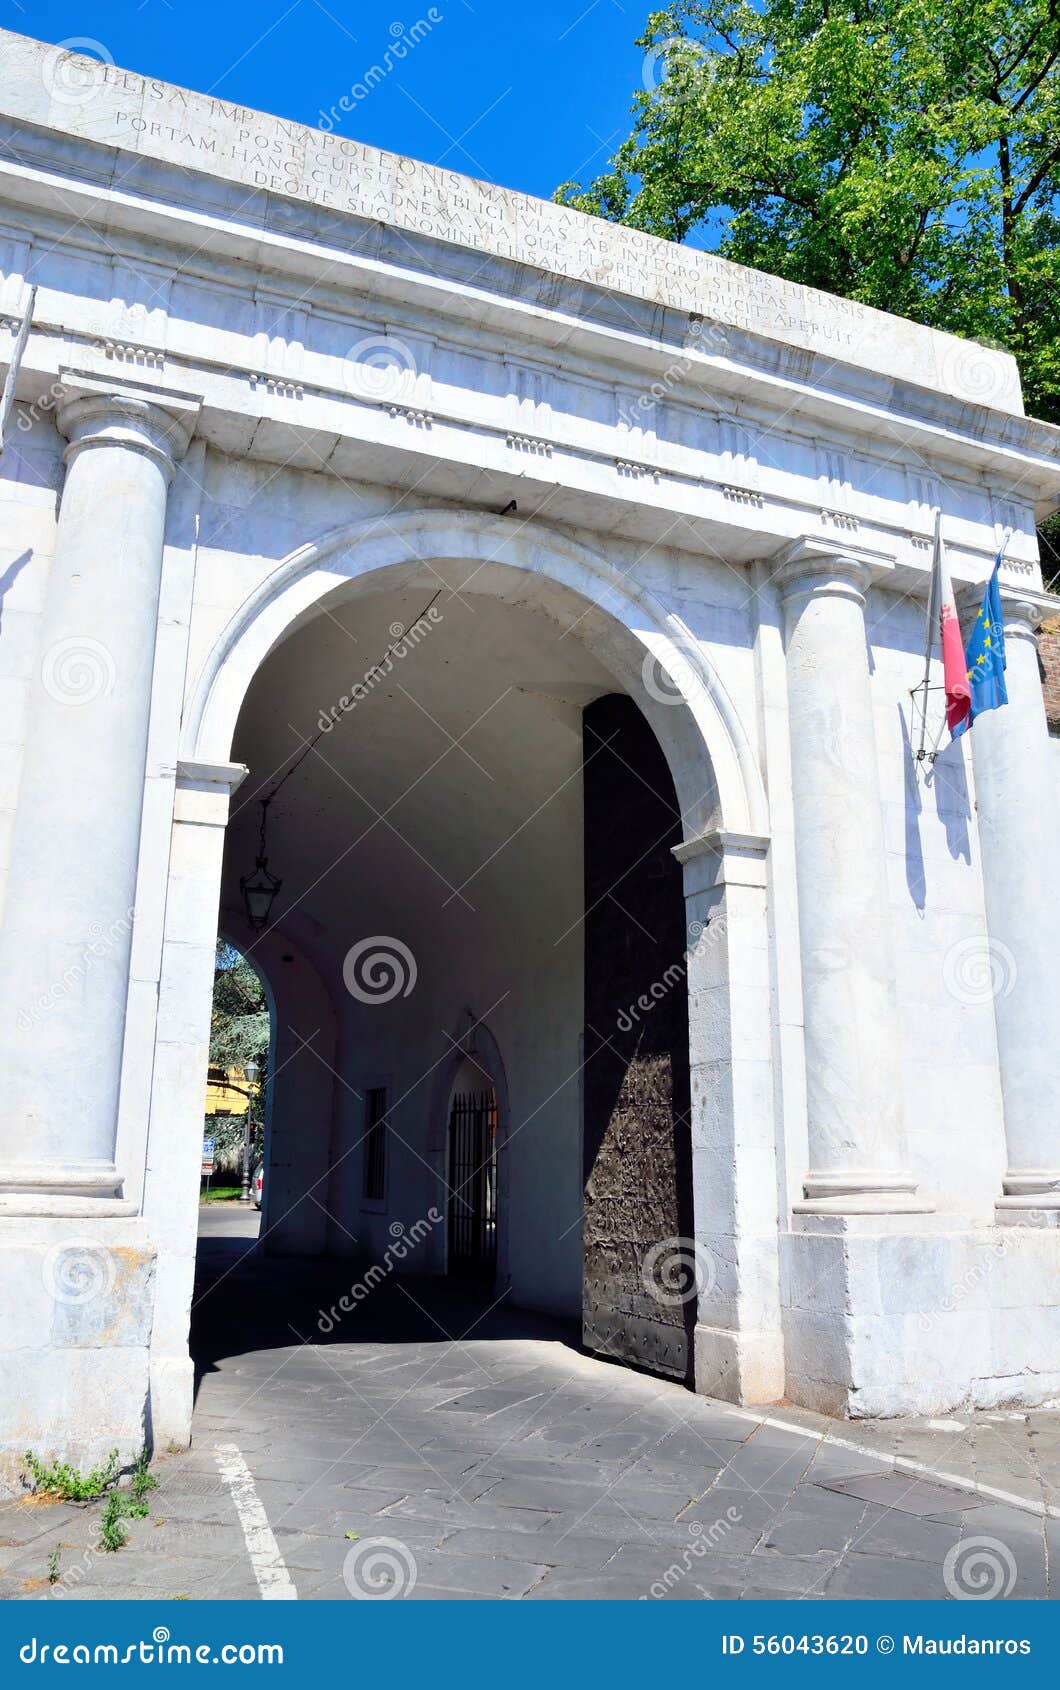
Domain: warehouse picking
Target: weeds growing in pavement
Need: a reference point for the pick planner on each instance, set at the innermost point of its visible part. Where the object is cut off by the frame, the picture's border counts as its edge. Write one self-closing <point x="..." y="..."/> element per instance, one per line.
<point x="142" y="1479"/>
<point x="112" y="1534"/>
<point x="128" y="1504"/>
<point x="66" y="1483"/>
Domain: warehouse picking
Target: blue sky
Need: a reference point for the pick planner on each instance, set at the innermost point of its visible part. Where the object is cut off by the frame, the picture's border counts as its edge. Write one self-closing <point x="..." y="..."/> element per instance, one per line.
<point x="522" y="92"/>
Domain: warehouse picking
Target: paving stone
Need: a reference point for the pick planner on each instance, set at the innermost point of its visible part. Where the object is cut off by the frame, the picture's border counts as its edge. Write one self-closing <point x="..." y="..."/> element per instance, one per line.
<point x="602" y="1499"/>
<point x="602" y="1587"/>
<point x="885" y="1578"/>
<point x="24" y="1522"/>
<point x="566" y="1549"/>
<point x="883" y="1532"/>
<point x="907" y="1493"/>
<point x="769" y="1462"/>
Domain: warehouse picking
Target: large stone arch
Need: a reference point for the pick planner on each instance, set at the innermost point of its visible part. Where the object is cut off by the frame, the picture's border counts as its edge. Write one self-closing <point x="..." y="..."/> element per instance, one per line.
<point x="713" y="764"/>
<point x="655" y="658"/>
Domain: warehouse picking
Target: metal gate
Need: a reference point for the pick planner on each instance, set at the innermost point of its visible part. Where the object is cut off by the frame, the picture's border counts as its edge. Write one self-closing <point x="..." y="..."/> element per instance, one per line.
<point x="638" y="1221"/>
<point x="473" y="1185"/>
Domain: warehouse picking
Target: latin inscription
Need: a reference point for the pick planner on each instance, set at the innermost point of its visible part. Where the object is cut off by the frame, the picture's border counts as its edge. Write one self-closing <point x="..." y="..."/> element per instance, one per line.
<point x="342" y="175"/>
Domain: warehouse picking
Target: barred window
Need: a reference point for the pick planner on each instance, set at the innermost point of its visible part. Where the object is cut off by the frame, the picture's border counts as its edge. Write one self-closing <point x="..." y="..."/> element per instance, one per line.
<point x="375" y="1144"/>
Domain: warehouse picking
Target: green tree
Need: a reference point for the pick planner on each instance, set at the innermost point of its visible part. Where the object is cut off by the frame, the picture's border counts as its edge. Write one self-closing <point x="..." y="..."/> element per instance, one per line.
<point x="239" y="1031"/>
<point x="905" y="153"/>
<point x="239" y="1023"/>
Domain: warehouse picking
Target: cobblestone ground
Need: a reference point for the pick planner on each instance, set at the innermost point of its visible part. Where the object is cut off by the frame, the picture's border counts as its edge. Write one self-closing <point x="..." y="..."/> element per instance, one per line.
<point x="430" y="1448"/>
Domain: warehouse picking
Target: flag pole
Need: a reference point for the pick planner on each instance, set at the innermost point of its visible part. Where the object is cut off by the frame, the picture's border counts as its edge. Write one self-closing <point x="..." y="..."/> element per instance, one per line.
<point x="929" y="640"/>
<point x="8" y="398"/>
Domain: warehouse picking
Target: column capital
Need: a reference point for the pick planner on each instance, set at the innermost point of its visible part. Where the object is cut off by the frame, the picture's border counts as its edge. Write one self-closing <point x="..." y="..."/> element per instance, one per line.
<point x="723" y="858"/>
<point x="203" y="791"/>
<point x="1023" y="609"/>
<point x="94" y="411"/>
<point x="814" y="566"/>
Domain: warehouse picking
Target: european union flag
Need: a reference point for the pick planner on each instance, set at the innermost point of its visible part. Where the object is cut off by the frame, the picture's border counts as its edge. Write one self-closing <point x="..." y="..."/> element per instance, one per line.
<point x="985" y="655"/>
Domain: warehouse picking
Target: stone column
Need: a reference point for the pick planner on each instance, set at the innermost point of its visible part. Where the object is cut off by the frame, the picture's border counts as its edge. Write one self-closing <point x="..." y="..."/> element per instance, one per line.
<point x="1016" y="802"/>
<point x="64" y="947"/>
<point x="854" y="1102"/>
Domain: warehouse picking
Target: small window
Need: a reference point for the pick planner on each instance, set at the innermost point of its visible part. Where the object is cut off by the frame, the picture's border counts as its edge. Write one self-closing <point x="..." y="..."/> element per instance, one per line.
<point x="375" y="1144"/>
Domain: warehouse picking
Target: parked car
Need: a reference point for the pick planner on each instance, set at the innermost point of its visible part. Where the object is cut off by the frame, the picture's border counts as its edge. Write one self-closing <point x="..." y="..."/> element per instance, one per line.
<point x="257" y="1180"/>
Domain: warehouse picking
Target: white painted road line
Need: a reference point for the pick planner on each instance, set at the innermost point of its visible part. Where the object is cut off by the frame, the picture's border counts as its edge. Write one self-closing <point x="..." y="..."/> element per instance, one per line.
<point x="901" y="1463"/>
<point x="274" y="1581"/>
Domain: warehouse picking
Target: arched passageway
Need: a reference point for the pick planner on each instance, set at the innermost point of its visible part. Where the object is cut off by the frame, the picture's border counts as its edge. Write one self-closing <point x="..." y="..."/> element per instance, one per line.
<point x="490" y="804"/>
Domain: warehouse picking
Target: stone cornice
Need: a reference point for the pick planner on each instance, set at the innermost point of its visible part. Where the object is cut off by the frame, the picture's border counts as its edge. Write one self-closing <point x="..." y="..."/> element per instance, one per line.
<point x="325" y="180"/>
<point x="565" y="316"/>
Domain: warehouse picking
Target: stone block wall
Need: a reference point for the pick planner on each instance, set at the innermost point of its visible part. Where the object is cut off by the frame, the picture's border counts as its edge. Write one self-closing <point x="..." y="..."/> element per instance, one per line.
<point x="1049" y="652"/>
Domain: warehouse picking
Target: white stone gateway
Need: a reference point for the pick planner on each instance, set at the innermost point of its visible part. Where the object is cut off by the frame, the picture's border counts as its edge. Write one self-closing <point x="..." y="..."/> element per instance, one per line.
<point x="280" y="393"/>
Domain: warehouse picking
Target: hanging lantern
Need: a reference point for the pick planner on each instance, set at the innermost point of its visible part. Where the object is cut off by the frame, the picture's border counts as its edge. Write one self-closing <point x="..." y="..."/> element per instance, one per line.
<point x="260" y="888"/>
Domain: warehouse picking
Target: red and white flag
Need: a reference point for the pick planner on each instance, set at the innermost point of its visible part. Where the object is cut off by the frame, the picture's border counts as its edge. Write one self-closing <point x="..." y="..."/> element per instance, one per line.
<point x="954" y="666"/>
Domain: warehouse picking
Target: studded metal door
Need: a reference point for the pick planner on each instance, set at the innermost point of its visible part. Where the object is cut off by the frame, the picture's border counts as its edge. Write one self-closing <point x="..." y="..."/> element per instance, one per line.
<point x="473" y="1186"/>
<point x="638" y="1291"/>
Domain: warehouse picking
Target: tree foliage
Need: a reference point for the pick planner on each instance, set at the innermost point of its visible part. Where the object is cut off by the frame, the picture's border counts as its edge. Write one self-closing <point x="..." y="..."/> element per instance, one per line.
<point x="239" y="1023"/>
<point x="904" y="153"/>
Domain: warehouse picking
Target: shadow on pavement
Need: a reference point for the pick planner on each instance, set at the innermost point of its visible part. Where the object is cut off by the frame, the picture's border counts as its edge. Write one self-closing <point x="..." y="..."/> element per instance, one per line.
<point x="245" y="1301"/>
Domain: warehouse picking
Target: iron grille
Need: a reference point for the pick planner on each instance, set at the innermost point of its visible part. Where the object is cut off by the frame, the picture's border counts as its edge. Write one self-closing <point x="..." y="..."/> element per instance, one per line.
<point x="473" y="1185"/>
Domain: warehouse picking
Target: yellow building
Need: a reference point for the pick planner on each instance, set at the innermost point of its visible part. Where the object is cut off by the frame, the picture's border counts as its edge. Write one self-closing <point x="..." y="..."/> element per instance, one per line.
<point x="222" y="1095"/>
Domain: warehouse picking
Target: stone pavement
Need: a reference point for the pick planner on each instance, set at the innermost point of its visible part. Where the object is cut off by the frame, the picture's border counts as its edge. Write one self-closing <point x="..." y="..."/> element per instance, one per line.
<point x="428" y="1446"/>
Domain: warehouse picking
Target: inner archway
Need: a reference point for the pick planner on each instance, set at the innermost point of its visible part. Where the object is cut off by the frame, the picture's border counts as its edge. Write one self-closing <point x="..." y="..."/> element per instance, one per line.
<point x="414" y="712"/>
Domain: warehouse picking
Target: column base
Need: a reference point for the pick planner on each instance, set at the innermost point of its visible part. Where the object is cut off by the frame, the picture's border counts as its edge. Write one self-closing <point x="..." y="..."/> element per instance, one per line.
<point x="1043" y="1184"/>
<point x="881" y="1319"/>
<point x="857" y="1192"/>
<point x="78" y="1299"/>
<point x="1040" y="1210"/>
<point x="85" y="1182"/>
